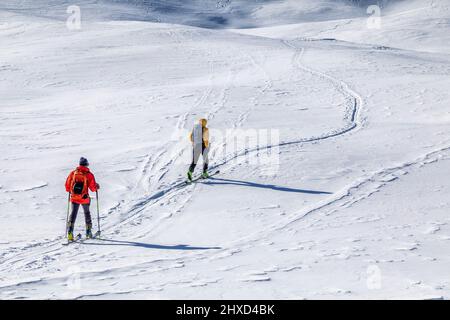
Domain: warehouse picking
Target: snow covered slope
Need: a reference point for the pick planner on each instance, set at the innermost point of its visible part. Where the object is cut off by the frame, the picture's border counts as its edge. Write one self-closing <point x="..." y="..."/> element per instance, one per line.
<point x="201" y="13"/>
<point x="348" y="199"/>
<point x="414" y="25"/>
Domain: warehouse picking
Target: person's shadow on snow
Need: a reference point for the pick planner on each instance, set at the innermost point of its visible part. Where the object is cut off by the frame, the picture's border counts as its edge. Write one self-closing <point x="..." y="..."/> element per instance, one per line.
<point x="220" y="181"/>
<point x="110" y="242"/>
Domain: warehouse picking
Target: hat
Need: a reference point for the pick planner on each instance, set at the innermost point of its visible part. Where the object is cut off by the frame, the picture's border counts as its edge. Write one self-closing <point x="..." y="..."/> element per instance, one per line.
<point x="203" y="122"/>
<point x="84" y="162"/>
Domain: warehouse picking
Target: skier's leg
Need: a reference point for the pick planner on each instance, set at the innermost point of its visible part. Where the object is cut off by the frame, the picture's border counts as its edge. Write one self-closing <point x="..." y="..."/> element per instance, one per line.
<point x="205" y="160"/>
<point x="193" y="163"/>
<point x="195" y="156"/>
<point x="73" y="217"/>
<point x="87" y="216"/>
<point x="88" y="219"/>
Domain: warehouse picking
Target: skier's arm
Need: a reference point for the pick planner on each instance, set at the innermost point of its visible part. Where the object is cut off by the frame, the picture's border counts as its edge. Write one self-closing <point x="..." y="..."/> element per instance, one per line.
<point x="68" y="182"/>
<point x="93" y="185"/>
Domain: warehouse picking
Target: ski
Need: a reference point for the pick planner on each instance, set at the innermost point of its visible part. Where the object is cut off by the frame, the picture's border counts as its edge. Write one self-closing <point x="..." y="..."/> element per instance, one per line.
<point x="94" y="236"/>
<point x="201" y="177"/>
<point x="76" y="239"/>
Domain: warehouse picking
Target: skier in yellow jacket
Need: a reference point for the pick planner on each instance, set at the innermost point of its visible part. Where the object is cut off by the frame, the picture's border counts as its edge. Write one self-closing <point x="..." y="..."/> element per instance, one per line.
<point x="200" y="143"/>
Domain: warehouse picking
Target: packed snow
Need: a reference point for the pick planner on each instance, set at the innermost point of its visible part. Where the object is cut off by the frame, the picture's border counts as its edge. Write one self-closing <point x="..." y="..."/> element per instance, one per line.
<point x="330" y="126"/>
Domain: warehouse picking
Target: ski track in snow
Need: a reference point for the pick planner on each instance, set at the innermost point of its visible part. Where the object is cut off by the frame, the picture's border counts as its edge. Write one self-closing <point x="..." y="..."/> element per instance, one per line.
<point x="356" y="192"/>
<point x="25" y="189"/>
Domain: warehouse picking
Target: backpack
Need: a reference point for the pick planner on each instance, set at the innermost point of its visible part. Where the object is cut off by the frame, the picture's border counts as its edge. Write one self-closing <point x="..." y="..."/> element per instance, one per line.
<point x="79" y="184"/>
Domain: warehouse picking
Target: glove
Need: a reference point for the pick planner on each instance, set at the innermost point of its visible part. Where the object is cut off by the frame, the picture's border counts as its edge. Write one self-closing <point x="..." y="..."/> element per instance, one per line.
<point x="97" y="186"/>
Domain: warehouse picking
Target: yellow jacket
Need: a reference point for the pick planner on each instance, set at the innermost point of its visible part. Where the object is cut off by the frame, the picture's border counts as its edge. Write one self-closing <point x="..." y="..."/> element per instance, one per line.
<point x="205" y="137"/>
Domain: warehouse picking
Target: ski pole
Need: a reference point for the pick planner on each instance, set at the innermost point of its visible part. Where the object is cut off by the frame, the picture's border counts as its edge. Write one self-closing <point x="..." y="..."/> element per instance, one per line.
<point x="67" y="218"/>
<point x="98" y="214"/>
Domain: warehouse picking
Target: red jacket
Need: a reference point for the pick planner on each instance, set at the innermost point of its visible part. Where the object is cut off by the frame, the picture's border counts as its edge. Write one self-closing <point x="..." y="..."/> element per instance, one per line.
<point x="91" y="184"/>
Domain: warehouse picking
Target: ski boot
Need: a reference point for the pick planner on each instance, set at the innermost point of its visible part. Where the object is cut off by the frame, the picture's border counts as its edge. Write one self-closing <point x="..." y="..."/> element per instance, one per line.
<point x="205" y="175"/>
<point x="70" y="236"/>
<point x="89" y="232"/>
<point x="189" y="174"/>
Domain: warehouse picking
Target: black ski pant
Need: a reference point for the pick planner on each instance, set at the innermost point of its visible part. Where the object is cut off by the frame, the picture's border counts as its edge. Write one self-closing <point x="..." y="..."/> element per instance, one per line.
<point x="203" y="151"/>
<point x="74" y="213"/>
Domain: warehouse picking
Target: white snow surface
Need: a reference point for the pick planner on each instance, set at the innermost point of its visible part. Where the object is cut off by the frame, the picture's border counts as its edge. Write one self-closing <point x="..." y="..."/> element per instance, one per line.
<point x="353" y="202"/>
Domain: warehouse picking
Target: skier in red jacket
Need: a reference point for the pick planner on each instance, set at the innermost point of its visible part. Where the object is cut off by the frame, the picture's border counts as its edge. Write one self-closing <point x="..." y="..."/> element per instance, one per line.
<point x="78" y="184"/>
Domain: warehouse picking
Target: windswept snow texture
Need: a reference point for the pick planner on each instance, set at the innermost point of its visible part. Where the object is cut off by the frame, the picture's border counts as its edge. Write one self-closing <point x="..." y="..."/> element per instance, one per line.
<point x="349" y="199"/>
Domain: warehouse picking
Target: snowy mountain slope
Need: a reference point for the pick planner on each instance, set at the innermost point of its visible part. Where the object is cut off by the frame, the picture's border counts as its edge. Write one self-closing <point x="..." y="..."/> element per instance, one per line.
<point x="353" y="206"/>
<point x="200" y="13"/>
<point x="411" y="25"/>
